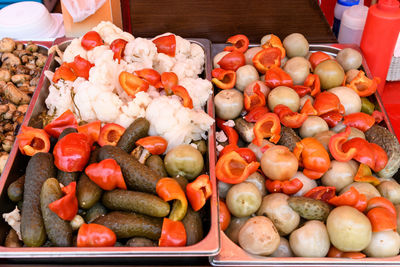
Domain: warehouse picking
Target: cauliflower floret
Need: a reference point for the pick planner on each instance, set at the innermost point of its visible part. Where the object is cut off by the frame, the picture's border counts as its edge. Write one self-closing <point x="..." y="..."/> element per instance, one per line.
<point x="59" y="99"/>
<point x="97" y="52"/>
<point x="163" y="63"/>
<point x="107" y="106"/>
<point x="74" y="49"/>
<point x="140" y="50"/>
<point x="105" y="71"/>
<point x="124" y="120"/>
<point x="13" y="219"/>
<point x="137" y="107"/>
<point x="197" y="57"/>
<point x="198" y="89"/>
<point x="109" y="32"/>
<point x="85" y="92"/>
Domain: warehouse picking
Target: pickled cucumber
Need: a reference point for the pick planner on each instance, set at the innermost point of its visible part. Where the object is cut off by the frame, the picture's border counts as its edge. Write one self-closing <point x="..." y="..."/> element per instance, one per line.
<point x="140" y="242"/>
<point x="129" y="224"/>
<point x="95" y="212"/>
<point x="15" y="190"/>
<point x="67" y="131"/>
<point x="138" y="129"/>
<point x="156" y="163"/>
<point x="88" y="193"/>
<point x="193" y="227"/>
<point x="58" y="231"/>
<point x="40" y="168"/>
<point x="310" y="209"/>
<point x="12" y="240"/>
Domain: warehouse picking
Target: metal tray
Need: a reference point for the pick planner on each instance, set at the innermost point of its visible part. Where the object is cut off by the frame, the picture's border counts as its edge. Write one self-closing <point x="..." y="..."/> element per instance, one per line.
<point x="209" y="246"/>
<point x="232" y="255"/>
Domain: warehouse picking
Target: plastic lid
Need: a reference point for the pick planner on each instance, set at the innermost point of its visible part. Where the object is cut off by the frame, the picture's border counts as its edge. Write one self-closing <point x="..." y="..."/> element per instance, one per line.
<point x="388" y="4"/>
<point x="348" y="2"/>
<point x="354" y="17"/>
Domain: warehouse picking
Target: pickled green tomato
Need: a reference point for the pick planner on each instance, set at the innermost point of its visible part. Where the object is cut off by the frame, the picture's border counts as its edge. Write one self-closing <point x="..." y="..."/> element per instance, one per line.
<point x="184" y="160"/>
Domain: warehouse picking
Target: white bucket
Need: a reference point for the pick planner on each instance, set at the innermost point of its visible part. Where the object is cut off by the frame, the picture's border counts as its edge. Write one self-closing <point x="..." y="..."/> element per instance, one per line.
<point x="352" y="25"/>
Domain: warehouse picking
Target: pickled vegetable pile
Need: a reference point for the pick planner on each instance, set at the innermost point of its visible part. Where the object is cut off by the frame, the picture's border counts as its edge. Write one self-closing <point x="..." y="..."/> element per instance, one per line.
<point x="305" y="166"/>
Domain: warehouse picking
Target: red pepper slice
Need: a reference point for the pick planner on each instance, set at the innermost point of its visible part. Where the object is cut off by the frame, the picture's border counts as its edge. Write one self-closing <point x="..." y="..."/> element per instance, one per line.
<point x="66" y="120"/>
<point x="169" y="80"/>
<point x="151" y="76"/>
<point x="239" y="42"/>
<point x="224" y="215"/>
<point x="247" y="154"/>
<point x="326" y="102"/>
<point x="273" y="186"/>
<point x="132" y="84"/>
<point x="335" y="146"/>
<point x="364" y="174"/>
<point x="228" y="148"/>
<point x="364" y="152"/>
<point x="232" y="61"/>
<point x="199" y="191"/>
<point x="381" y="202"/>
<point x="275" y="77"/>
<point x="378" y="116"/>
<point x="268" y="126"/>
<point x="301" y="90"/>
<point x="110" y="134"/>
<point x="81" y="67"/>
<point x="288" y="187"/>
<point x="359" y="120"/>
<point x="156" y="145"/>
<point x="231" y="168"/>
<point x="223" y="79"/>
<point x="72" y="152"/>
<point x="106" y="174"/>
<point x="274" y="41"/>
<point x="92" y="130"/>
<point x="364" y="86"/>
<point x="350" y="198"/>
<point x="335" y="253"/>
<point x="308" y="109"/>
<point x="267" y="58"/>
<point x="90" y="40"/>
<point x="256" y="113"/>
<point x="32" y="141"/>
<point x="183" y="93"/>
<point x="382" y="219"/>
<point x="166" y="44"/>
<point x="168" y="189"/>
<point x="118" y="47"/>
<point x="66" y="207"/>
<point x="64" y="72"/>
<point x="323" y="193"/>
<point x="95" y="235"/>
<point x="288" y="117"/>
<point x="173" y="234"/>
<point x="257" y="99"/>
<point x="318" y="57"/>
<point x="332" y="118"/>
<point x="381" y="157"/>
<point x="230" y="132"/>
<point x="362" y="202"/>
<point x="314" y="83"/>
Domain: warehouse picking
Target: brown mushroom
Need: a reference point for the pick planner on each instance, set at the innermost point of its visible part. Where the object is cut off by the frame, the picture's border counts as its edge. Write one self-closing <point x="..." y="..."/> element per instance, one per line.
<point x="7" y="45"/>
<point x="15" y="95"/>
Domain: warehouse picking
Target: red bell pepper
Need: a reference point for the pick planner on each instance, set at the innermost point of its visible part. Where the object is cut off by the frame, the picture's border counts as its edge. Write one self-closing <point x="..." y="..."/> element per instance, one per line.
<point x="169" y="80"/>
<point x="90" y="40"/>
<point x="199" y="191"/>
<point x="132" y="84"/>
<point x="81" y="67"/>
<point x="326" y="102"/>
<point x="32" y="140"/>
<point x="364" y="152"/>
<point x="110" y="134"/>
<point x="364" y="86"/>
<point x="323" y="193"/>
<point x="66" y="120"/>
<point x="267" y="58"/>
<point x="228" y="148"/>
<point x="381" y="157"/>
<point x="247" y="154"/>
<point x="268" y="126"/>
<point x="308" y="109"/>
<point x="350" y="198"/>
<point x="118" y="47"/>
<point x="274" y="41"/>
<point x="232" y="61"/>
<point x="223" y="79"/>
<point x="378" y="116"/>
<point x="231" y="168"/>
<point x="95" y="235"/>
<point x="151" y="76"/>
<point x="288" y="117"/>
<point x="256" y="113"/>
<point x="257" y="99"/>
<point x="66" y="207"/>
<point x="318" y="57"/>
<point x="364" y="174"/>
<point x="288" y="187"/>
<point x="92" y="130"/>
<point x="301" y="90"/>
<point x="239" y="42"/>
<point x="106" y="174"/>
<point x="332" y="118"/>
<point x="224" y="215"/>
<point x="314" y="83"/>
<point x="382" y="219"/>
<point x="166" y="44"/>
<point x="230" y="132"/>
<point x="313" y="157"/>
<point x="335" y="146"/>
<point x="72" y="152"/>
<point x="173" y="234"/>
<point x="381" y="202"/>
<point x="156" y="145"/>
<point x="64" y="72"/>
<point x="359" y="120"/>
<point x="275" y="77"/>
<point x="168" y="189"/>
<point x="183" y="93"/>
<point x="335" y="253"/>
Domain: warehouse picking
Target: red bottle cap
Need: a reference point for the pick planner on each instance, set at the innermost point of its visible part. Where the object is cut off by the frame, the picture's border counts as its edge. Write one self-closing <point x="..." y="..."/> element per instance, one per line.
<point x="388" y="5"/>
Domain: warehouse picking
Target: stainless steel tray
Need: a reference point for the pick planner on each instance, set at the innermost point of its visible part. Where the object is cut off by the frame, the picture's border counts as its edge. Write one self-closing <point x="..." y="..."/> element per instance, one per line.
<point x="210" y="245"/>
<point x="232" y="255"/>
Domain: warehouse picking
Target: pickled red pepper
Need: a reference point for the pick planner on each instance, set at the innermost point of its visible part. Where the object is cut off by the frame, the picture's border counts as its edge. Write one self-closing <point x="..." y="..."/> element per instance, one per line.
<point x="32" y="140"/>
<point x="223" y="79"/>
<point x="168" y="189"/>
<point x="199" y="191"/>
<point x="107" y="174"/>
<point x="65" y="120"/>
<point x="239" y="42"/>
<point x="231" y="168"/>
<point x="66" y="207"/>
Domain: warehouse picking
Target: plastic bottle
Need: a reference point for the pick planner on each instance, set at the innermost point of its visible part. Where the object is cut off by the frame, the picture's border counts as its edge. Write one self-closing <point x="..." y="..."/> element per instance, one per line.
<point x="340" y="7"/>
<point x="352" y="25"/>
<point x="379" y="38"/>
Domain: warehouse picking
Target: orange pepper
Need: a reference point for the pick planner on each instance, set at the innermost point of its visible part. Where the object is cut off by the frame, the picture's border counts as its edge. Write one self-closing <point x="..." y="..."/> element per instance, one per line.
<point x="223" y="79"/>
<point x="335" y="253"/>
<point x="364" y="174"/>
<point x="64" y="72"/>
<point x="66" y="207"/>
<point x="359" y="120"/>
<point x="308" y="109"/>
<point x="268" y="126"/>
<point x="332" y="118"/>
<point x="288" y="187"/>
<point x="32" y="141"/>
<point x="132" y="84"/>
<point x="183" y="93"/>
<point x="313" y="157"/>
<point x="156" y="145"/>
<point x="95" y="235"/>
<point x="118" y="47"/>
<point x="231" y="168"/>
<point x="81" y="67"/>
<point x="166" y="44"/>
<point x="314" y="83"/>
<point x="169" y="80"/>
<point x="92" y="130"/>
<point x="380" y="156"/>
<point x="335" y="146"/>
<point x="173" y="234"/>
<point x="381" y="202"/>
<point x="239" y="42"/>
<point x="256" y="113"/>
<point x="274" y="41"/>
<point x="232" y="61"/>
<point x="318" y="57"/>
<point x="350" y="198"/>
<point x="224" y="215"/>
<point x="199" y="191"/>
<point x="168" y="189"/>
<point x="106" y="174"/>
<point x="151" y="76"/>
<point x="257" y="99"/>
<point x="323" y="193"/>
<point x="301" y="90"/>
<point x="267" y="58"/>
<point x="110" y="134"/>
<point x="275" y="77"/>
<point x="382" y="219"/>
<point x="288" y="117"/>
<point x="326" y="102"/>
<point x="362" y="85"/>
<point x="364" y="152"/>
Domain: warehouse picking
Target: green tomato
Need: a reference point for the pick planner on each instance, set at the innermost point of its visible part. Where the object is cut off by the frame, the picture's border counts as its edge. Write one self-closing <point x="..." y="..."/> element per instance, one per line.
<point x="184" y="160"/>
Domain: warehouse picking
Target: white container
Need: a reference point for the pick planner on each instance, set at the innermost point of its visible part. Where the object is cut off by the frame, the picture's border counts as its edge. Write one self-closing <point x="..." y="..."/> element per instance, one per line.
<point x="340" y="7"/>
<point x="352" y="25"/>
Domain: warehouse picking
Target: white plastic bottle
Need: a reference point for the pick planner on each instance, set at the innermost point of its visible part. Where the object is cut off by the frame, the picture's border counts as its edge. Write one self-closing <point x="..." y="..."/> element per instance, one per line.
<point x="340" y="7"/>
<point x="352" y="25"/>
